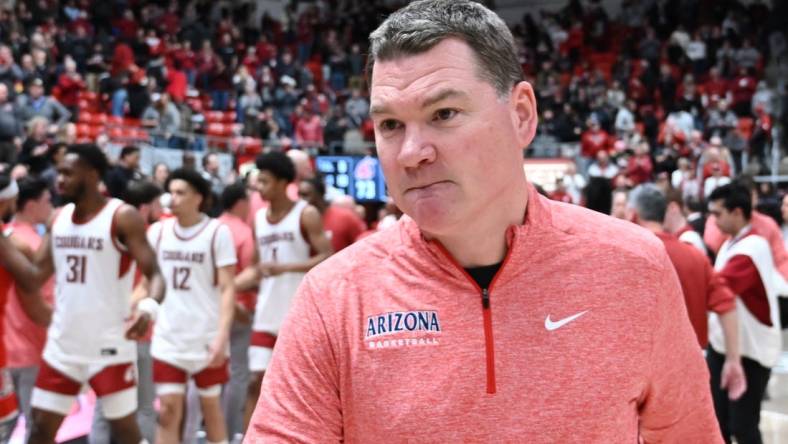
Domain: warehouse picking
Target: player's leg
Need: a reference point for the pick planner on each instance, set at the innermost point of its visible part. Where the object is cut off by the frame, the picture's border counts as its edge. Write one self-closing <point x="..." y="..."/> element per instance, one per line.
<point x="45" y="425"/>
<point x="260" y="351"/>
<point x="171" y="389"/>
<point x="214" y="419"/>
<point x="209" y="383"/>
<point x="170" y="414"/>
<point x="52" y="398"/>
<point x="252" y="395"/>
<point x="116" y="387"/>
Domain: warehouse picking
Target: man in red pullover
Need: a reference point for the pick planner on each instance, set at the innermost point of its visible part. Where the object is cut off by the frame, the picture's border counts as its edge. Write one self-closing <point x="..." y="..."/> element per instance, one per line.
<point x="488" y="313"/>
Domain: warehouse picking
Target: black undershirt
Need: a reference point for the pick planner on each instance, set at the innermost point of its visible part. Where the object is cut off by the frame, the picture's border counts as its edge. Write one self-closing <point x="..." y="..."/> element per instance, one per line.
<point x="484" y="275"/>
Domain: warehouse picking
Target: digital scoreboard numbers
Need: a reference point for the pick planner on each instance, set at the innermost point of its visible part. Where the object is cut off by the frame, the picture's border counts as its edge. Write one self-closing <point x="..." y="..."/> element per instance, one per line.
<point x="336" y="171"/>
<point x="360" y="177"/>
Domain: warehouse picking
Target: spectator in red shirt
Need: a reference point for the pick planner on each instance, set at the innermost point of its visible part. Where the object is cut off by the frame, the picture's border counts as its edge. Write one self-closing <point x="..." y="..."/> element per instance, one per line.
<point x="24" y="339"/>
<point x="126" y="26"/>
<point x="594" y="139"/>
<point x="715" y="88"/>
<point x="743" y="88"/>
<point x="560" y="194"/>
<point x="704" y="290"/>
<point x="639" y="166"/>
<point x="713" y="160"/>
<point x="342" y="226"/>
<point x="70" y="84"/>
<point x="309" y="129"/>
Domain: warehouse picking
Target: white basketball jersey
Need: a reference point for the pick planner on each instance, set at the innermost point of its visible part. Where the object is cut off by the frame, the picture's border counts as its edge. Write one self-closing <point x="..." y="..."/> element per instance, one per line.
<point x="284" y="243"/>
<point x="188" y="319"/>
<point x="93" y="283"/>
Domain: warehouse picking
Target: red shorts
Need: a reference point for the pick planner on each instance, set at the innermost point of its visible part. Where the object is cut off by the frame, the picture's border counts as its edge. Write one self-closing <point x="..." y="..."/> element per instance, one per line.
<point x="173" y="379"/>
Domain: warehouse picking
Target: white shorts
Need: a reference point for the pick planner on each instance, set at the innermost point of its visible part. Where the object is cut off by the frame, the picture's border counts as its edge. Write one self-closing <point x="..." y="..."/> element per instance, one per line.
<point x="260" y="350"/>
<point x="171" y="376"/>
<point x="59" y="383"/>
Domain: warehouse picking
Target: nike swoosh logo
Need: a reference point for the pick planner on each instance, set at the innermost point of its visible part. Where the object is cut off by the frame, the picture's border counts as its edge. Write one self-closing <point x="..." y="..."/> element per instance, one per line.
<point x="550" y="325"/>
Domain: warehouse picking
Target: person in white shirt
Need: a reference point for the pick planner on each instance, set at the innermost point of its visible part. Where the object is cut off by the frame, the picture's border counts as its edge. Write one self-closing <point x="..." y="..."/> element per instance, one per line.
<point x="714" y="181"/>
<point x="603" y="167"/>
<point x="574" y="183"/>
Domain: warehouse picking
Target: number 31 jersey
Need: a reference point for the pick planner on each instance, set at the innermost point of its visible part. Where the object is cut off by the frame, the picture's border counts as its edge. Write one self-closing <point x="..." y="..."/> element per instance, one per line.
<point x="93" y="282"/>
<point x="189" y="259"/>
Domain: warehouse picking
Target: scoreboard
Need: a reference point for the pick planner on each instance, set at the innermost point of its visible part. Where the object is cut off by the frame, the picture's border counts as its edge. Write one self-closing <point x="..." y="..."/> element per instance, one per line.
<point x="357" y="176"/>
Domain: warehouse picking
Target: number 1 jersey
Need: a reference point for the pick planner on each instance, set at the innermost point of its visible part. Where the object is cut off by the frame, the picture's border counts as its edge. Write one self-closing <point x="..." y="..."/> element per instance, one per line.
<point x="93" y="283"/>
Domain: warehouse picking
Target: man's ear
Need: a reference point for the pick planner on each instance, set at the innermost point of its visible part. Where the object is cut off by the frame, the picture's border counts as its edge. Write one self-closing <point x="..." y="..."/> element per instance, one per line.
<point x="524" y="114"/>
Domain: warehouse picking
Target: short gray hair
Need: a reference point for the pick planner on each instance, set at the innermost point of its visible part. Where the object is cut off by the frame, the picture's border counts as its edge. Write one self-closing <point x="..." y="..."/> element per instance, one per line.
<point x="421" y="25"/>
<point x="649" y="202"/>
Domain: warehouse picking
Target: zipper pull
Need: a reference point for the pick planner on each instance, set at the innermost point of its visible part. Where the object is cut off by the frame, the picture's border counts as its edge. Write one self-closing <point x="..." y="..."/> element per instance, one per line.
<point x="485" y="299"/>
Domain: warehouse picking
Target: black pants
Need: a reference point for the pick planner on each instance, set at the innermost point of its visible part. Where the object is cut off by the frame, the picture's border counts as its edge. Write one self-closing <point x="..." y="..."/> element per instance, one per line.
<point x="740" y="418"/>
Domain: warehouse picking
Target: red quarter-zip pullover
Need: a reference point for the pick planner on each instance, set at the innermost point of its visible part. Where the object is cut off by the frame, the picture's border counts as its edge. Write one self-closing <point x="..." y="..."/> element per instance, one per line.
<point x="582" y="337"/>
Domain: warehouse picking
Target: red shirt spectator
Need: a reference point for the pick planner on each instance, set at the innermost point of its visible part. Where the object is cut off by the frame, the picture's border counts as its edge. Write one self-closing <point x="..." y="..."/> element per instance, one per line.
<point x="24" y="340"/>
<point x="309" y="130"/>
<point x="243" y="239"/>
<point x="70" y="84"/>
<point x="122" y="58"/>
<point x="593" y="140"/>
<point x="704" y="290"/>
<point x="743" y="88"/>
<point x="342" y="226"/>
<point x="639" y="166"/>
<point x="177" y="84"/>
<point x="126" y="26"/>
<point x="709" y="167"/>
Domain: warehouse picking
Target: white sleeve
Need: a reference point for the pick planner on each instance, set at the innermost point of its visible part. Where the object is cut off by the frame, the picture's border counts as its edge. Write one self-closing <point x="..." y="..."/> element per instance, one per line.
<point x="154" y="231"/>
<point x="224" y="248"/>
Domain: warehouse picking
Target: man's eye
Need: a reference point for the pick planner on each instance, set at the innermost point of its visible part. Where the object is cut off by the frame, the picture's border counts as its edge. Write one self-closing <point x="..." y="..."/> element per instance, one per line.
<point x="389" y="125"/>
<point x="445" y="114"/>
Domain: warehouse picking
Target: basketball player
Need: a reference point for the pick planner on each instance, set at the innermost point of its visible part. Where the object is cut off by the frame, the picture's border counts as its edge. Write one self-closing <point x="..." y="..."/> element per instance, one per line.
<point x="144" y="196"/>
<point x="289" y="242"/>
<point x="92" y="245"/>
<point x="197" y="257"/>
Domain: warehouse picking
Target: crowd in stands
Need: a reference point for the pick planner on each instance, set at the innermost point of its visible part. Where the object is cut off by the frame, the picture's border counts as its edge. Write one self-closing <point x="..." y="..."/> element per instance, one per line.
<point x="678" y="91"/>
<point x="682" y="93"/>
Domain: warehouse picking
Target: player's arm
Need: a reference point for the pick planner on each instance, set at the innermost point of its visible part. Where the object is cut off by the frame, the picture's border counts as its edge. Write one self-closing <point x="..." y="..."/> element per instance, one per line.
<point x="721" y="300"/>
<point x="32" y="303"/>
<point x="28" y="274"/>
<point x="131" y="232"/>
<point x="313" y="225"/>
<point x="225" y="276"/>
